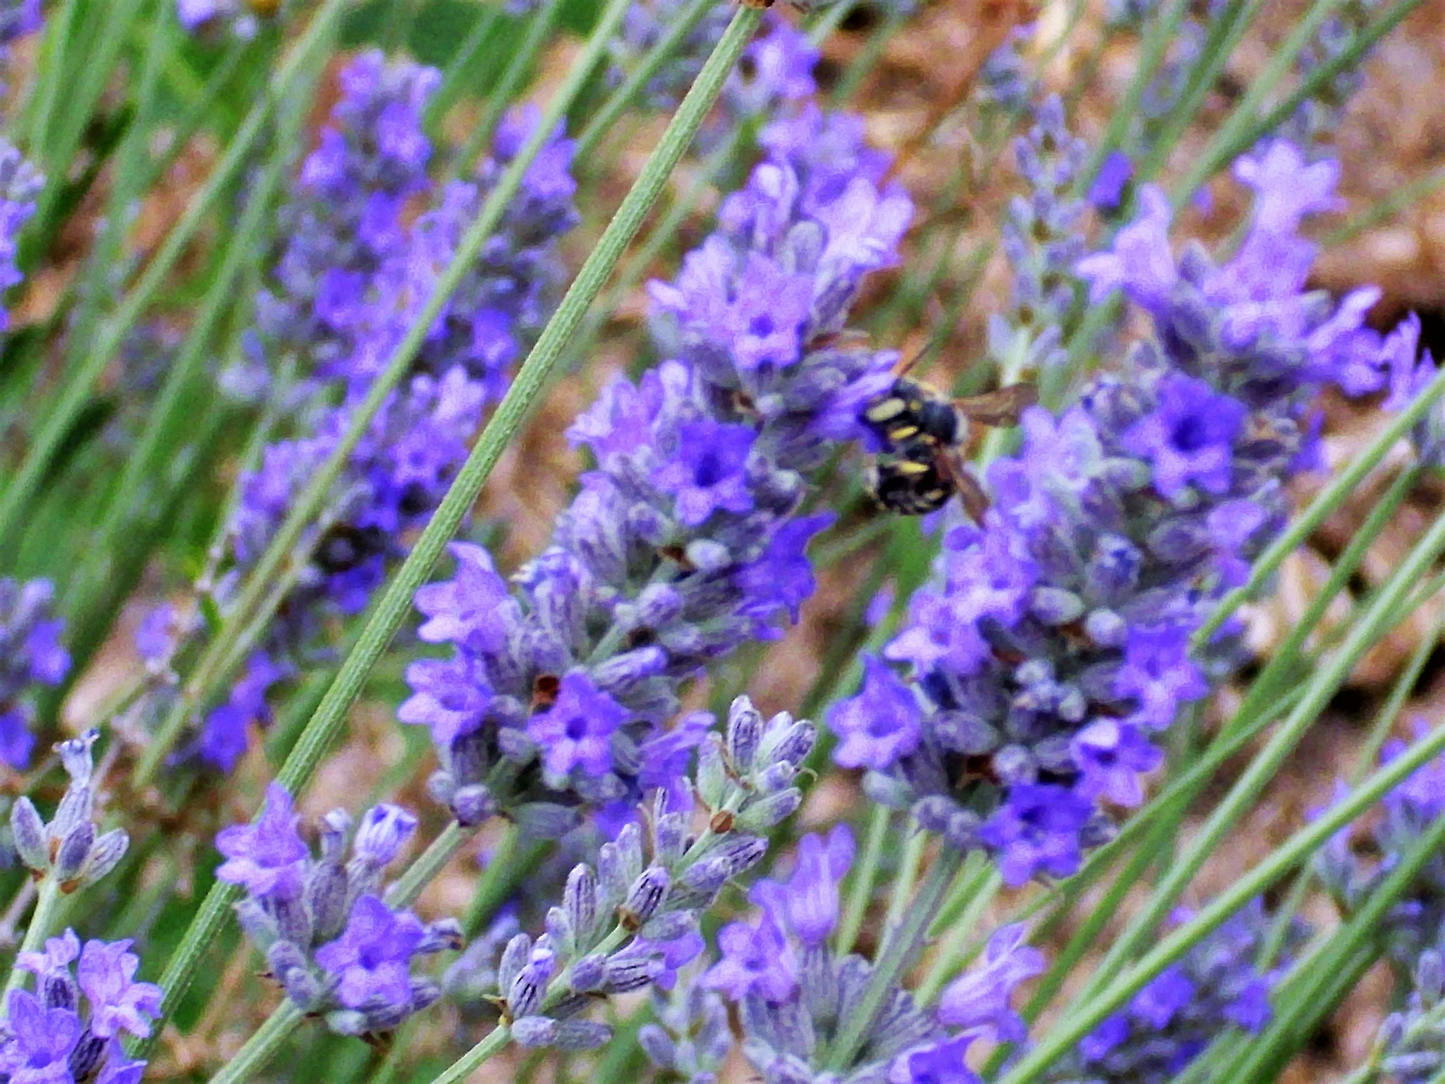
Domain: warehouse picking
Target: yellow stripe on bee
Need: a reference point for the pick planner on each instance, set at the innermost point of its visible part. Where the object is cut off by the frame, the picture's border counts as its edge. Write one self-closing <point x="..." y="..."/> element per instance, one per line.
<point x="908" y="467"/>
<point x="882" y="411"/>
<point x="902" y="433"/>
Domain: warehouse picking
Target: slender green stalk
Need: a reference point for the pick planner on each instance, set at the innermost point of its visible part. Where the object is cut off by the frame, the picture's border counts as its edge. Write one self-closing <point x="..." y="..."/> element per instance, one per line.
<point x="425" y="869"/>
<point x="1382" y="614"/>
<point x="865" y="874"/>
<point x="1340" y="489"/>
<point x="1127" y="981"/>
<point x="395" y="603"/>
<point x="495" y="1042"/>
<point x="450" y="88"/>
<point x="981" y="886"/>
<point x="42" y="925"/>
<point x="263" y="1045"/>
<point x="1386" y="208"/>
<point x="601" y="124"/>
<point x="505" y="91"/>
<point x="901" y="944"/>
<point x="49" y="441"/>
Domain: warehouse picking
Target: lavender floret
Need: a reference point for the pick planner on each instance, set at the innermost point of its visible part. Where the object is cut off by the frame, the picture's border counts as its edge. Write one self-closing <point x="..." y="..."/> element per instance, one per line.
<point x="333" y="945"/>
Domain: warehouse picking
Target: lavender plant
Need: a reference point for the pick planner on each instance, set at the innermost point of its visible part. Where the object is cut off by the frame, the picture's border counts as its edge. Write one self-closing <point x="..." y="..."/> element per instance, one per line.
<point x="353" y="265"/>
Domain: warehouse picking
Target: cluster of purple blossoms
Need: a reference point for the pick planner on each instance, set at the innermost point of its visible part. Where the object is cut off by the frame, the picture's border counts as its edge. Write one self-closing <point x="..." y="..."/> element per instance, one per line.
<point x="1171" y="1021"/>
<point x="52" y="1036"/>
<point x="1041" y="239"/>
<point x="631" y="921"/>
<point x="796" y="995"/>
<point x="776" y="67"/>
<point x="31" y="656"/>
<point x="1057" y="639"/>
<point x="691" y="1037"/>
<point x="1411" y="371"/>
<point x="70" y="849"/>
<point x="353" y="278"/>
<point x="330" y="940"/>
<point x="684" y="542"/>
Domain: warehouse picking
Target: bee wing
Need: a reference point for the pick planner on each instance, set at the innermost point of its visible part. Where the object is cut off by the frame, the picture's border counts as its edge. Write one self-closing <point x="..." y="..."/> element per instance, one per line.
<point x="970" y="494"/>
<point x="846" y="339"/>
<point x="1001" y="407"/>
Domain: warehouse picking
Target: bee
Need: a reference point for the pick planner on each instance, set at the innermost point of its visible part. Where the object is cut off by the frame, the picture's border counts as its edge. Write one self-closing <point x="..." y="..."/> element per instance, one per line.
<point x="920" y="467"/>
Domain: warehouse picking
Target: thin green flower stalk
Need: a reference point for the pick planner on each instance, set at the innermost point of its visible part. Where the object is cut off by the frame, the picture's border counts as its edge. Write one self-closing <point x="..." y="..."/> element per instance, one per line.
<point x="395" y="603"/>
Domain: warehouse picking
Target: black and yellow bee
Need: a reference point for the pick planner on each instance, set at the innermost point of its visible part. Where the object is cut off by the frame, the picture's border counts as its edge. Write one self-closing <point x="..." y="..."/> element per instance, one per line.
<point x="919" y="466"/>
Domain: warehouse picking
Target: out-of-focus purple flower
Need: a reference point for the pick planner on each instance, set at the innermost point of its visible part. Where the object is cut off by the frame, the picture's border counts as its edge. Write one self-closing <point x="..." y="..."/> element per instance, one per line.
<point x="106" y="974"/>
<point x="1174" y="1018"/>
<point x="68" y="1029"/>
<point x="18" y="18"/>
<point x="1115" y="172"/>
<point x="756" y="962"/>
<point x="31" y="657"/>
<point x="878" y="726"/>
<point x="979" y="1001"/>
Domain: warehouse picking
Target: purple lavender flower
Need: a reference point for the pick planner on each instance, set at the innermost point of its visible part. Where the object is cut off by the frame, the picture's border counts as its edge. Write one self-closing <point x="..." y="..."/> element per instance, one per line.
<point x="71" y="848"/>
<point x="756" y="962"/>
<point x="978" y="1001"/>
<point x="684" y="542"/>
<point x="629" y="920"/>
<point x="31" y="656"/>
<point x="795" y="994"/>
<point x="1057" y="637"/>
<point x="371" y="960"/>
<point x="266" y="858"/>
<point x="576" y="731"/>
<point x="776" y="67"/>
<point x="19" y="17"/>
<point x="356" y="272"/>
<point x="20" y="183"/>
<point x="55" y="1037"/>
<point x="237" y="17"/>
<point x="330" y="942"/>
<point x="1173" y="1019"/>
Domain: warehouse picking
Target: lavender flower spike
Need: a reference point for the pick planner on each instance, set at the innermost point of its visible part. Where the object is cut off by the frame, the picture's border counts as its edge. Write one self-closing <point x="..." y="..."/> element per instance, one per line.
<point x="67" y="1031"/>
<point x="70" y="847"/>
<point x="629" y="921"/>
<point x="1056" y="640"/>
<point x="796" y="994"/>
<point x="331" y="943"/>
<point x="685" y="541"/>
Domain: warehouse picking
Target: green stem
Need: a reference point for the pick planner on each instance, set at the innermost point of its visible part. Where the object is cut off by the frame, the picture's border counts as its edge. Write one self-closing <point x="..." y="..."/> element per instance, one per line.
<point x="901" y="945"/>
<point x="42" y="919"/>
<point x="494" y="1043"/>
<point x="1297" y="848"/>
<point x="263" y="1045"/>
<point x="1340" y="489"/>
<point x="865" y="873"/>
<point x="461" y="60"/>
<point x="395" y="603"/>
<point x="506" y="89"/>
<point x="425" y="869"/>
<point x="683" y="24"/>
